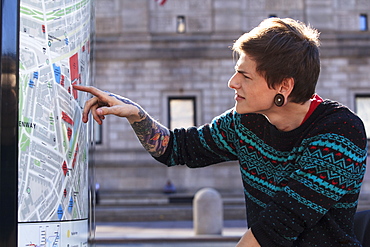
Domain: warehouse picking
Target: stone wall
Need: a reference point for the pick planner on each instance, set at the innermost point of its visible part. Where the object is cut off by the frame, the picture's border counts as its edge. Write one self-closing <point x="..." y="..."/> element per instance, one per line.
<point x="140" y="55"/>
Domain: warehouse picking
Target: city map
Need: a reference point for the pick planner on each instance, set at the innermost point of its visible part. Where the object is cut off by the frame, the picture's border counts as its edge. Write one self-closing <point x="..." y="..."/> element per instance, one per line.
<point x="53" y="142"/>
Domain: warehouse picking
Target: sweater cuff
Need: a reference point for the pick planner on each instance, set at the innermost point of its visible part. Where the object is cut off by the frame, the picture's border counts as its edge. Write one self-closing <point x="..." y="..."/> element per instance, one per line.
<point x="261" y="236"/>
<point x="164" y="157"/>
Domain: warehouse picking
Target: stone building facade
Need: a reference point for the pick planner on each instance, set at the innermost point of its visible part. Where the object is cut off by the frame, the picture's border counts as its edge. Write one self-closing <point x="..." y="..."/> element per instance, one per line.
<point x="151" y="54"/>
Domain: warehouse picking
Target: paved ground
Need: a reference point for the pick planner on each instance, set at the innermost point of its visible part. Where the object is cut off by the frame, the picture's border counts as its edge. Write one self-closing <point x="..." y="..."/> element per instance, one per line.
<point x="165" y="234"/>
<point x="192" y="244"/>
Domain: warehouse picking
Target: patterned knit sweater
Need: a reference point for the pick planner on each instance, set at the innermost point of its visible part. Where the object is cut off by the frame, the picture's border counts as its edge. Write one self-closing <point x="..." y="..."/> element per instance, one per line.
<point x="301" y="187"/>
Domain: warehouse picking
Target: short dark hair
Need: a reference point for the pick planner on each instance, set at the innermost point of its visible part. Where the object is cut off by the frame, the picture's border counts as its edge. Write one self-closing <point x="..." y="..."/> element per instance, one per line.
<point x="284" y="48"/>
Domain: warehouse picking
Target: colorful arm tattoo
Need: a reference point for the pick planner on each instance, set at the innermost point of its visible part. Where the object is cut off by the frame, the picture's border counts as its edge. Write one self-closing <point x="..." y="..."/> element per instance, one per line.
<point x="153" y="136"/>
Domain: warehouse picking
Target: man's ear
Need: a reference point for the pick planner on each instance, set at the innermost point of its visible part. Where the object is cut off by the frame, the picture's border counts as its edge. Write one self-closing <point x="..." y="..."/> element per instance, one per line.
<point x="286" y="86"/>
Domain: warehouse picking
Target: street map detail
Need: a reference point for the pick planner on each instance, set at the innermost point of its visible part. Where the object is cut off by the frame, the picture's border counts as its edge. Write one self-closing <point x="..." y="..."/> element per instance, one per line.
<point x="53" y="141"/>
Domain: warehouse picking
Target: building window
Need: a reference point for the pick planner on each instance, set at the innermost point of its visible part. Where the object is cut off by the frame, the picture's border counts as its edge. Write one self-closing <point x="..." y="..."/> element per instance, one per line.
<point x="363" y="111"/>
<point x="181" y="24"/>
<point x="363" y="22"/>
<point x="181" y="112"/>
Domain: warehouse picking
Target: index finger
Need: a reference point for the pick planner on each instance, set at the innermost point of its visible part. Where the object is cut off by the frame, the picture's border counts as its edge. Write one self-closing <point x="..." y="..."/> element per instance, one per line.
<point x="89" y="89"/>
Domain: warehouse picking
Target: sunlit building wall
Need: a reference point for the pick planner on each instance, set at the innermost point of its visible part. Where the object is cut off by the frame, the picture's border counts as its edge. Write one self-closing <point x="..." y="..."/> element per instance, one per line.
<point x="181" y="50"/>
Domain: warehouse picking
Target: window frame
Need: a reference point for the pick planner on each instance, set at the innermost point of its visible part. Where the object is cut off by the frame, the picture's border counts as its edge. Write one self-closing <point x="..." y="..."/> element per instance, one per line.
<point x="194" y="100"/>
<point x="364" y="22"/>
<point x="165" y="95"/>
<point x="357" y="96"/>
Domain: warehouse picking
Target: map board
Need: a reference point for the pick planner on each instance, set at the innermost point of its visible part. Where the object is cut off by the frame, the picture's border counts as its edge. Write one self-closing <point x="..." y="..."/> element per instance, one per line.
<point x="54" y="55"/>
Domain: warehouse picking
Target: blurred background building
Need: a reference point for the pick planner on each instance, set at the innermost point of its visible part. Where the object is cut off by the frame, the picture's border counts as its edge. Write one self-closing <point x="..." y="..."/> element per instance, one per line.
<point x="175" y="60"/>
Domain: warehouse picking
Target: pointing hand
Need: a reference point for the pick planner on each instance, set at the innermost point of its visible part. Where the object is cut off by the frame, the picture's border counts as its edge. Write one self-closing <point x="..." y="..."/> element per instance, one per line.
<point x="104" y="103"/>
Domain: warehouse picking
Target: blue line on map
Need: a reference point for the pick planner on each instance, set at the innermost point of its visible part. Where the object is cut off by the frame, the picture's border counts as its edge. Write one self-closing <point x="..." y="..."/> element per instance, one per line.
<point x="60" y="212"/>
<point x="70" y="206"/>
<point x="31" y="84"/>
<point x="57" y="73"/>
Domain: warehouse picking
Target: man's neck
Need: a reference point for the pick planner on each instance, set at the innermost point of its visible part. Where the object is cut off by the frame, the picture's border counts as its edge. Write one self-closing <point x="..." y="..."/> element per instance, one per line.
<point x="290" y="116"/>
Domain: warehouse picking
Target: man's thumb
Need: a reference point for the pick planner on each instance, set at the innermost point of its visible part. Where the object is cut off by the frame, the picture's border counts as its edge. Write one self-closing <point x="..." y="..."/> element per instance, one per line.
<point x="105" y="110"/>
<point x="102" y="111"/>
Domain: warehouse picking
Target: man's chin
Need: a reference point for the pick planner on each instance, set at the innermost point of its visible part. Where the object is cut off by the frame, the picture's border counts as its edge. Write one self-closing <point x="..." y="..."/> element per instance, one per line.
<point x="240" y="110"/>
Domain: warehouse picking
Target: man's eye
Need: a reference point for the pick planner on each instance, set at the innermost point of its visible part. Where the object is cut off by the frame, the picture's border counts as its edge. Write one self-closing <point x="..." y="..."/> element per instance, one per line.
<point x="241" y="72"/>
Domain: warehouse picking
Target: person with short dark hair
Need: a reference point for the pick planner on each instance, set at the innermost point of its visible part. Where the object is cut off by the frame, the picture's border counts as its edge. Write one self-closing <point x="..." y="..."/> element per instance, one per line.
<point x="302" y="158"/>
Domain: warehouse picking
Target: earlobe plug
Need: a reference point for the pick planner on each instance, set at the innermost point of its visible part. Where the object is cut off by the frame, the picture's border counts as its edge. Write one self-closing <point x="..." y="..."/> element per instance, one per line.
<point x="279" y="100"/>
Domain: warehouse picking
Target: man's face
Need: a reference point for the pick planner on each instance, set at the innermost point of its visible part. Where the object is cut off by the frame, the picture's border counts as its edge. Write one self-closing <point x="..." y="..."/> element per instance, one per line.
<point x="252" y="94"/>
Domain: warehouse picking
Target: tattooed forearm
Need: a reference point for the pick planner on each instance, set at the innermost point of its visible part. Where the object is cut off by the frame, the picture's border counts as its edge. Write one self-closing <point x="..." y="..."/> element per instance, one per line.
<point x="153" y="136"/>
<point x="144" y="127"/>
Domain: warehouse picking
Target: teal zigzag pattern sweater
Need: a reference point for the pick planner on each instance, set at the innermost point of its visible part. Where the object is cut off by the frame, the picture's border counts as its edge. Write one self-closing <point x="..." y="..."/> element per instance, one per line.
<point x="301" y="187"/>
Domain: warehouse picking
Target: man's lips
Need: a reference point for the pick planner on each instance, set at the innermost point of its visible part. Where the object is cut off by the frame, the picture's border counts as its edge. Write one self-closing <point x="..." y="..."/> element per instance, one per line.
<point x="238" y="97"/>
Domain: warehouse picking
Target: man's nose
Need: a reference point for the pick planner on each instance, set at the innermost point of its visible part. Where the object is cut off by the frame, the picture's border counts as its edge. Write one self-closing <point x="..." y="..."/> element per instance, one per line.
<point x="233" y="81"/>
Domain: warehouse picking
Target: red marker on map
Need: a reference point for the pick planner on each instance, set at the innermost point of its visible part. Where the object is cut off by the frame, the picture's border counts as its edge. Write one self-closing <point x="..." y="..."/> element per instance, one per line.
<point x="66" y="118"/>
<point x="65" y="168"/>
<point x="69" y="133"/>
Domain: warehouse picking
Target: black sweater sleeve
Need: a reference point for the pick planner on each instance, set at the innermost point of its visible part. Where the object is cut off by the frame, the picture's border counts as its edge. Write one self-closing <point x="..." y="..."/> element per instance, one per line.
<point x="200" y="147"/>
